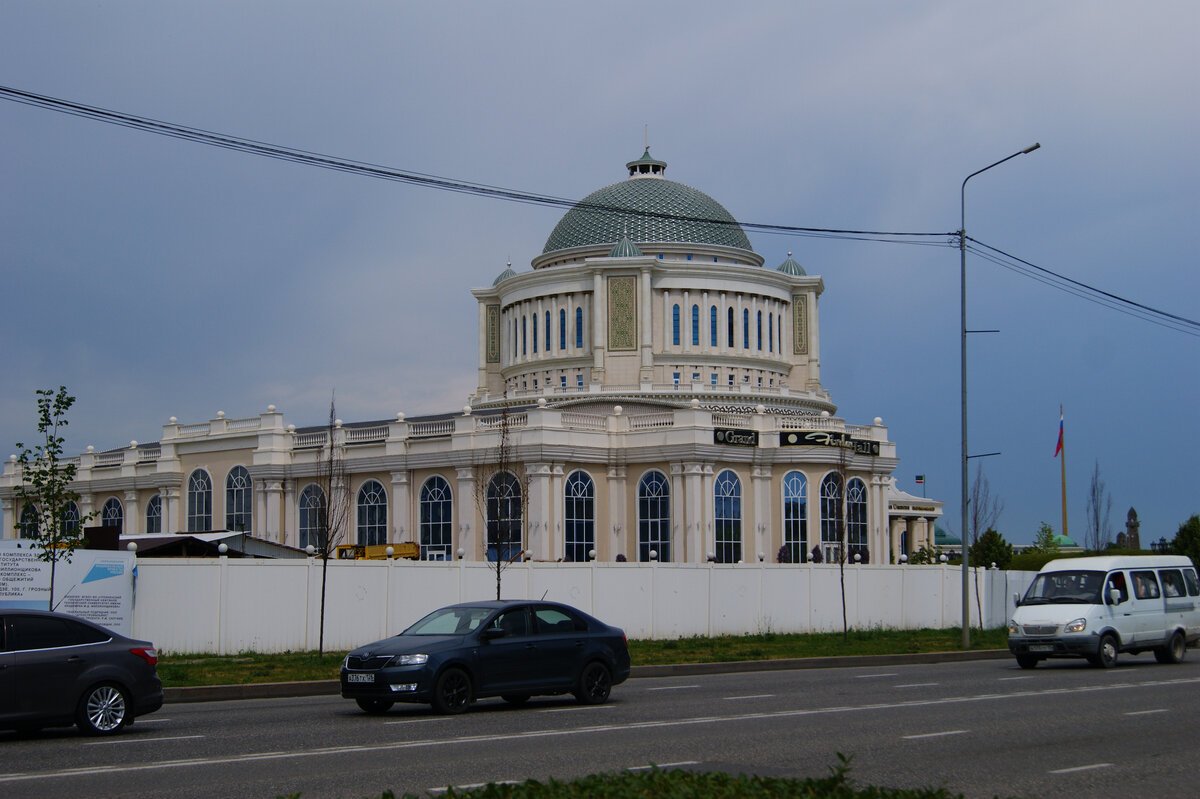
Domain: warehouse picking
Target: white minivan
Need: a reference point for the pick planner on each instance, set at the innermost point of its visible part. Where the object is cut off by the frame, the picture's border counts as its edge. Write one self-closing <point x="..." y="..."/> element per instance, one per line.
<point x="1096" y="607"/>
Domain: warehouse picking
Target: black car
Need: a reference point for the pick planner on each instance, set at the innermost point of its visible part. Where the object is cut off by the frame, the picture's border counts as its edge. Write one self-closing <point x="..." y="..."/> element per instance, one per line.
<point x="57" y="670"/>
<point x="511" y="649"/>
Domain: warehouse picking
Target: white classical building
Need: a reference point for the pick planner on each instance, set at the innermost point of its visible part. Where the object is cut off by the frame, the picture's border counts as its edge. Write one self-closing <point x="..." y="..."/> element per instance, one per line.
<point x="650" y="388"/>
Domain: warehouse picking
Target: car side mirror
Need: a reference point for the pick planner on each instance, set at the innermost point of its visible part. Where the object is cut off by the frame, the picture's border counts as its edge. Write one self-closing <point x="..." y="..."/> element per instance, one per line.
<point x="1016" y="600"/>
<point x="492" y="632"/>
<point x="1114" y="596"/>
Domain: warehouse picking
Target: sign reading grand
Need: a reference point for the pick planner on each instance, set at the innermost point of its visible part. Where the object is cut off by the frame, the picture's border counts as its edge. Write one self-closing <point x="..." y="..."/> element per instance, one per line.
<point x="736" y="438"/>
<point x="826" y="439"/>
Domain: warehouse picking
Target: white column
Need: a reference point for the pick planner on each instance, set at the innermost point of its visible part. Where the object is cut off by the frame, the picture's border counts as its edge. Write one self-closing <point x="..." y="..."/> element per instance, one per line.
<point x="290" y="534"/>
<point x="171" y="519"/>
<point x="761" y="478"/>
<point x="133" y="520"/>
<point x="693" y="517"/>
<point x="465" y="515"/>
<point x="617" y="517"/>
<point x="402" y="526"/>
<point x="274" y="531"/>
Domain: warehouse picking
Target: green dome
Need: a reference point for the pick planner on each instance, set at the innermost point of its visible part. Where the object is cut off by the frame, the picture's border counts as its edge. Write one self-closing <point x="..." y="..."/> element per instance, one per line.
<point x="624" y="249"/>
<point x="790" y="267"/>
<point x="505" y="275"/>
<point x="1062" y="542"/>
<point x="647" y="208"/>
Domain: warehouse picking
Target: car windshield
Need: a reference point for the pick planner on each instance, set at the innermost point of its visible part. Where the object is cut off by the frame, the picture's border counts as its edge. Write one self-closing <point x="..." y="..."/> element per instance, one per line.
<point x="449" y="621"/>
<point x="1065" y="588"/>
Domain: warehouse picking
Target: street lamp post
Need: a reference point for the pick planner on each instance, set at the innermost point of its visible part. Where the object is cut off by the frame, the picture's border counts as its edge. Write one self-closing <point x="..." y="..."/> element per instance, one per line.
<point x="962" y="247"/>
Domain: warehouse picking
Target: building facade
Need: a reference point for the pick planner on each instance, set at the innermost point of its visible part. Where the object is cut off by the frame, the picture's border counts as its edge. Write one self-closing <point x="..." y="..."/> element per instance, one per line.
<point x="648" y="390"/>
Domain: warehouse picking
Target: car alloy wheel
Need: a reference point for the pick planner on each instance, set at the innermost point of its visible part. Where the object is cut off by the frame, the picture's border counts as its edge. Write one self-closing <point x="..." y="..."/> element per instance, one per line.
<point x="452" y="692"/>
<point x="103" y="710"/>
<point x="595" y="684"/>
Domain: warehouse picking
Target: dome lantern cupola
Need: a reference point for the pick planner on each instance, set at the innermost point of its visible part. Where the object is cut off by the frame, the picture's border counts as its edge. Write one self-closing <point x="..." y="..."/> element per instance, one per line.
<point x="646" y="166"/>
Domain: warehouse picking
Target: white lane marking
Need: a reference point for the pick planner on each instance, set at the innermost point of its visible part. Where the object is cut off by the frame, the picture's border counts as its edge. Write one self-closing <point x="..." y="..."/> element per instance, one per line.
<point x="664" y="765"/>
<point x="672" y="687"/>
<point x="933" y="735"/>
<point x="916" y="685"/>
<point x="141" y="740"/>
<point x="1022" y="677"/>
<point x="576" y="709"/>
<point x="156" y="720"/>
<point x="874" y="676"/>
<point x="417" y="721"/>
<point x="749" y="696"/>
<point x="1091" y="767"/>
<point x="1146" y="712"/>
<point x="225" y="761"/>
<point x="471" y="787"/>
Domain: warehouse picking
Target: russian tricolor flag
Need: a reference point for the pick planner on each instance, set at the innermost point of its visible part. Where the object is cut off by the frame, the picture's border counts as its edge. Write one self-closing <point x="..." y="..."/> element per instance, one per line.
<point x="1058" y="449"/>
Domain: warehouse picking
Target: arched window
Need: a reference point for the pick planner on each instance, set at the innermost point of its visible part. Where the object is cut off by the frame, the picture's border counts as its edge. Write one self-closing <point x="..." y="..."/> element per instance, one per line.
<point x="238" y="500"/>
<point x="562" y="328"/>
<point x="579" y="328"/>
<point x="675" y="325"/>
<point x="745" y="328"/>
<point x="770" y="332"/>
<point x="112" y="514"/>
<point x="372" y="513"/>
<point x="29" y="521"/>
<point x="727" y="496"/>
<point x="579" y="515"/>
<point x="154" y="514"/>
<point x="437" y="519"/>
<point x="695" y="325"/>
<point x="70" y="518"/>
<point x="856" y="519"/>
<point x="199" y="502"/>
<point x="504" y="517"/>
<point x="654" y="516"/>
<point x="535" y="336"/>
<point x="313" y="517"/>
<point x="758" y="314"/>
<point x="547" y="350"/>
<point x="831" y="517"/>
<point x="730" y="327"/>
<point x="712" y="326"/>
<point x="795" y="516"/>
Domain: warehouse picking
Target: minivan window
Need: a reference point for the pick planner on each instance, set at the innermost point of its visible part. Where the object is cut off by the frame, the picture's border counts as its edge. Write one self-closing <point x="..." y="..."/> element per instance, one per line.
<point x="1193" y="584"/>
<point x="1145" y="585"/>
<point x="1172" y="583"/>
<point x="1065" y="588"/>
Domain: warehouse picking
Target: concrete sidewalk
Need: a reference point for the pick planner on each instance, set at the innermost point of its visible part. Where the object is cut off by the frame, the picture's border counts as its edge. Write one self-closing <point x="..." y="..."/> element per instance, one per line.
<point x="219" y="693"/>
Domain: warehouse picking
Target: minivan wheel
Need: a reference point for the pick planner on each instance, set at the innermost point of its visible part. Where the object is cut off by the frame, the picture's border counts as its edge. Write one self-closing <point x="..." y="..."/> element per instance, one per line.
<point x="103" y="710"/>
<point x="1106" y="653"/>
<point x="1027" y="661"/>
<point x="595" y="684"/>
<point x="452" y="691"/>
<point x="1174" y="651"/>
<point x="376" y="707"/>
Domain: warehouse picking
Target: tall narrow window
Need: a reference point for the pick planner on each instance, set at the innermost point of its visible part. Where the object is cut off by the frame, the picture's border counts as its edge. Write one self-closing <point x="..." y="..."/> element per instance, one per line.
<point x="523" y="350"/>
<point x="731" y="327"/>
<point x="70" y="517"/>
<point x="199" y="501"/>
<point x="770" y="332"/>
<point x="314" y="519"/>
<point x="29" y="521"/>
<point x="372" y="513"/>
<point x="654" y="516"/>
<point x="579" y="517"/>
<point x="745" y="328"/>
<point x="562" y="328"/>
<point x="112" y="514"/>
<point x="795" y="517"/>
<point x="727" y="496"/>
<point x="695" y="325"/>
<point x="759" y="329"/>
<point x="238" y="500"/>
<point x="547" y="332"/>
<point x="504" y="517"/>
<point x="437" y="517"/>
<point x="675" y="325"/>
<point x="579" y="328"/>
<point x="856" y="519"/>
<point x="154" y="514"/>
<point x="712" y="326"/>
<point x="831" y="517"/>
<point x="535" y="336"/>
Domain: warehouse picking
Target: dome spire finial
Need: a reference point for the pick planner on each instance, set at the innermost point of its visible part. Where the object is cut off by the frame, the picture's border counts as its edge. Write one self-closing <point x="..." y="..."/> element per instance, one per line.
<point x="647" y="166"/>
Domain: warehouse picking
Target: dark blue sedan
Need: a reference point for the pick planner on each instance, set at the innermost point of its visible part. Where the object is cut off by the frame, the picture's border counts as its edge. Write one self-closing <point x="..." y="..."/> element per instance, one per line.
<point x="511" y="649"/>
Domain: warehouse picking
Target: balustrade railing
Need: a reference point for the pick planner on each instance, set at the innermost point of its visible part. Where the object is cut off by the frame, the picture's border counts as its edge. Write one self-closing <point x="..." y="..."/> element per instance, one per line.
<point x="309" y="440"/>
<point x="583" y="421"/>
<point x="444" y="427"/>
<point x="364" y="435"/>
<point x="652" y="421"/>
<point x="110" y="459"/>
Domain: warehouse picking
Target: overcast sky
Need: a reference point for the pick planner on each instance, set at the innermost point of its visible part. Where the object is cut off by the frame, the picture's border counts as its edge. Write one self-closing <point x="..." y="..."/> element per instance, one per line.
<point x="158" y="278"/>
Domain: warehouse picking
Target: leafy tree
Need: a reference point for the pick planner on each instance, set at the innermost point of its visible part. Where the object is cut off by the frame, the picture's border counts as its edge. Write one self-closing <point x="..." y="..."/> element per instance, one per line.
<point x="991" y="548"/>
<point x="1187" y="540"/>
<point x="45" y="487"/>
<point x="1044" y="540"/>
<point x="925" y="555"/>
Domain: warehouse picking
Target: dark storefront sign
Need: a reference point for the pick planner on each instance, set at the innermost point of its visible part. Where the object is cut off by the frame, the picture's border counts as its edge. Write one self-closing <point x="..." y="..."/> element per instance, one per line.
<point x="736" y="438"/>
<point x="824" y="439"/>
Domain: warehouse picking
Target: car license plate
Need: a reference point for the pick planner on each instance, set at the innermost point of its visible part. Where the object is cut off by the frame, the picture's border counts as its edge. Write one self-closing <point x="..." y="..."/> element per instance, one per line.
<point x="1041" y="647"/>
<point x="360" y="678"/>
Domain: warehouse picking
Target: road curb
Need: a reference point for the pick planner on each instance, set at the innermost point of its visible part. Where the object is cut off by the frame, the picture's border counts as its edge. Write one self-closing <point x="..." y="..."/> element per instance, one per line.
<point x="273" y="690"/>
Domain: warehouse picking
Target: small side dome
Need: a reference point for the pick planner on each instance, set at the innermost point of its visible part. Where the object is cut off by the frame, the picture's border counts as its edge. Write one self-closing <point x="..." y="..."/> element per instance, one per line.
<point x="790" y="267"/>
<point x="624" y="249"/>
<point x="505" y="275"/>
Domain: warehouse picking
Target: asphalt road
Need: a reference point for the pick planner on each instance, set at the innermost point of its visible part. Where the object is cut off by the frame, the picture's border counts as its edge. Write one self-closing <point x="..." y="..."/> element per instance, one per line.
<point x="982" y="728"/>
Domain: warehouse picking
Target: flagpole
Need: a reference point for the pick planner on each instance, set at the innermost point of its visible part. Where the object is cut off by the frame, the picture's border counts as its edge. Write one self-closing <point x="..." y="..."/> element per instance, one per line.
<point x="1062" y="445"/>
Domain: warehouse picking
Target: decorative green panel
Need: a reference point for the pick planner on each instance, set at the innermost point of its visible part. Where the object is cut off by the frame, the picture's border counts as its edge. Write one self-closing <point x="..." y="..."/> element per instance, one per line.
<point x="622" y="312"/>
<point x="493" y="334"/>
<point x="800" y="324"/>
